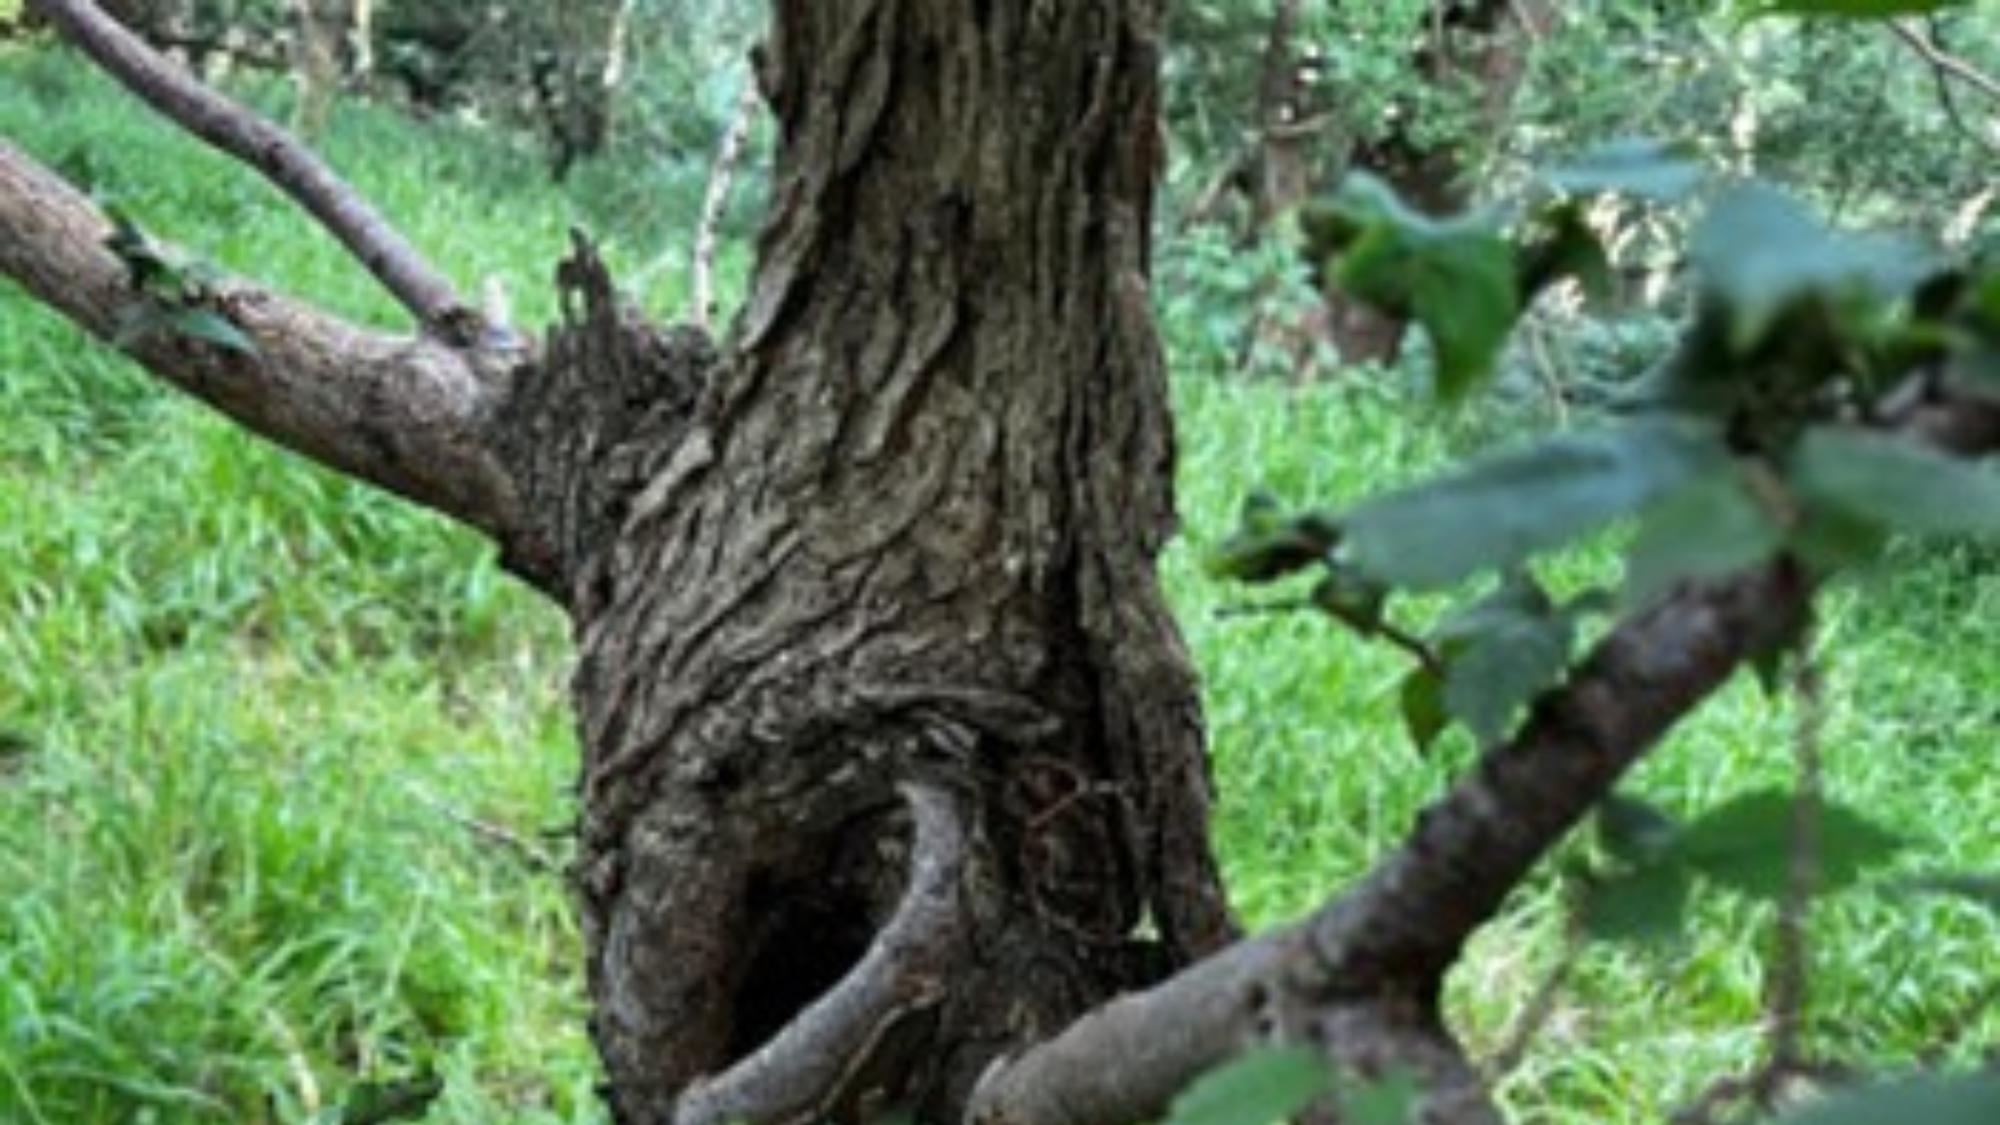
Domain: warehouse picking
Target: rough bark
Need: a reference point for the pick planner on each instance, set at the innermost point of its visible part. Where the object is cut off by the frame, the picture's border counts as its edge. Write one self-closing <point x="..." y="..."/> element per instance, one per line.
<point x="909" y="535"/>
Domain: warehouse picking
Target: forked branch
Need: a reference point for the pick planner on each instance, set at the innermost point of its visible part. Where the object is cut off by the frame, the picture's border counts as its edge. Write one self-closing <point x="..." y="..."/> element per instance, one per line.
<point x="290" y="165"/>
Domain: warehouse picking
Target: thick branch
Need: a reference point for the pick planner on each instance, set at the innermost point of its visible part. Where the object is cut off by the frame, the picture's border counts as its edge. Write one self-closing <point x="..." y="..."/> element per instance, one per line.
<point x="1409" y="919"/>
<point x="275" y="153"/>
<point x="1395" y="934"/>
<point x="796" y="1078"/>
<point x="407" y="414"/>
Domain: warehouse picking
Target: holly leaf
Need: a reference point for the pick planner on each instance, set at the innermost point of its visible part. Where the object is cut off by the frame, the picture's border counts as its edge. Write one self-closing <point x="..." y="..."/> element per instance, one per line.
<point x="1634" y="831"/>
<point x="1760" y="253"/>
<point x="1713" y="527"/>
<point x="1632" y="167"/>
<point x="1269" y="545"/>
<point x="1499" y="655"/>
<point x="1421" y="700"/>
<point x="1561" y="245"/>
<point x="1352" y="599"/>
<point x="210" y="327"/>
<point x="1925" y="1100"/>
<point x="1642" y="904"/>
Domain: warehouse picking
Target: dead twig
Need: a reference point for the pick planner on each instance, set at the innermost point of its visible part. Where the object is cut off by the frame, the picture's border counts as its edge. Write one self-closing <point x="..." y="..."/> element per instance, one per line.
<point x="529" y="852"/>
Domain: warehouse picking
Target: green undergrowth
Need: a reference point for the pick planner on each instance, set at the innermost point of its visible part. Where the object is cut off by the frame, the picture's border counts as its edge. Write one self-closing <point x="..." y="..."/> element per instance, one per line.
<point x="284" y="764"/>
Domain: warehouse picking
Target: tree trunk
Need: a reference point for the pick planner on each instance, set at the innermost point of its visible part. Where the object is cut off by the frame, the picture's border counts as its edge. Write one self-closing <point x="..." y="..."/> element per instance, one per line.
<point x="320" y="29"/>
<point x="1483" y="44"/>
<point x="904" y="542"/>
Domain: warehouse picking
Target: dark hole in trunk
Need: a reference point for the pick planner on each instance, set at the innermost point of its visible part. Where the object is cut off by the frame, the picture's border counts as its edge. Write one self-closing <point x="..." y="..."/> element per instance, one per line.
<point x="816" y="918"/>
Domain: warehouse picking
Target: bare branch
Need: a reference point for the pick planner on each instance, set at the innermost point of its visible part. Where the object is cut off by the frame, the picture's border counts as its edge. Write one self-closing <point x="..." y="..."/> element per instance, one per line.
<point x="797" y="1077"/>
<point x="279" y="156"/>
<point x="1945" y="70"/>
<point x="407" y="414"/>
<point x="1943" y="61"/>
<point x="1408" y="920"/>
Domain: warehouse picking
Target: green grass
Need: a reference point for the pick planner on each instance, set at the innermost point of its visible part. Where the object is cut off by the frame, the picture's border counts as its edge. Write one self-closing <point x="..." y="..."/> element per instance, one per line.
<point x="250" y="715"/>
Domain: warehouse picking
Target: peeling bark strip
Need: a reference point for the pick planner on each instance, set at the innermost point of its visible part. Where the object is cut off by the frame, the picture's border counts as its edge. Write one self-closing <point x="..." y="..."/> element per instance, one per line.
<point x="909" y="533"/>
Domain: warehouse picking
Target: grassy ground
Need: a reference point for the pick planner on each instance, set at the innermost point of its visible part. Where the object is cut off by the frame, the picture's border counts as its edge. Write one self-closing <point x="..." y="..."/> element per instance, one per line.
<point x="257" y="726"/>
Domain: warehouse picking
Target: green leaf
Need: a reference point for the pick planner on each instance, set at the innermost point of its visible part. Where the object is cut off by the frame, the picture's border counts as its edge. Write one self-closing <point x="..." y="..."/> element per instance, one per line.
<point x="1746" y="845"/>
<point x="1421" y="699"/>
<point x="1634" y="831"/>
<point x="1501" y="654"/>
<point x="1499" y="511"/>
<point x="1926" y="1100"/>
<point x="210" y="327"/>
<point x="136" y="321"/>
<point x="1896" y="485"/>
<point x="1560" y="245"/>
<point x="1641" y="169"/>
<point x="1759" y="253"/>
<point x="1642" y="904"/>
<point x="1390" y="1100"/>
<point x="1456" y="277"/>
<point x="1263" y="1087"/>
<point x="1713" y="527"/>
